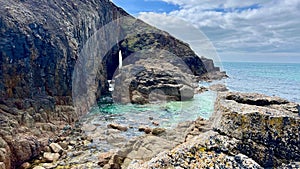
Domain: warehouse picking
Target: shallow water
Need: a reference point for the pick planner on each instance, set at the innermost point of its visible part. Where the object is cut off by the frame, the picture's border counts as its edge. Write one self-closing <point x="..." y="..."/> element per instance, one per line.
<point x="166" y="114"/>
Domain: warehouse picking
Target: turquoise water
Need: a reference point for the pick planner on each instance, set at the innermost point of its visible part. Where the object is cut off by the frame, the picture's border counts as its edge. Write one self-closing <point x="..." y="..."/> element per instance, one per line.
<point x="167" y="114"/>
<point x="280" y="79"/>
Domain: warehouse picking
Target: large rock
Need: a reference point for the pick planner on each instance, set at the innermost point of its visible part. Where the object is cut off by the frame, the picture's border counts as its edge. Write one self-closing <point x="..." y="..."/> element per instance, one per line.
<point x="267" y="126"/>
<point x="154" y="76"/>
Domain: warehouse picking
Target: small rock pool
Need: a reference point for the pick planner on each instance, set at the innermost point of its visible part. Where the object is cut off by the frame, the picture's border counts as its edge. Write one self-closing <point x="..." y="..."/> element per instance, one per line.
<point x="164" y="115"/>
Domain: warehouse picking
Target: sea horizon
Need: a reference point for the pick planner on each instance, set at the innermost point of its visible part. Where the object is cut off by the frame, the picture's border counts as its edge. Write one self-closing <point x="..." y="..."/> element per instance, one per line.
<point x="272" y="79"/>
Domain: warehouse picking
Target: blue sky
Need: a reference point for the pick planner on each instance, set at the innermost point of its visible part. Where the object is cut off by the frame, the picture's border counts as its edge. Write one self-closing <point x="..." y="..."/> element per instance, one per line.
<point x="134" y="7"/>
<point x="256" y="30"/>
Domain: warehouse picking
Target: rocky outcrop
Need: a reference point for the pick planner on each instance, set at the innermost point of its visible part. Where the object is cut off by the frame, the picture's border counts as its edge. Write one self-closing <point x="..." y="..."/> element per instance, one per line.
<point x="213" y="72"/>
<point x="249" y="131"/>
<point x="154" y="78"/>
<point x="268" y="127"/>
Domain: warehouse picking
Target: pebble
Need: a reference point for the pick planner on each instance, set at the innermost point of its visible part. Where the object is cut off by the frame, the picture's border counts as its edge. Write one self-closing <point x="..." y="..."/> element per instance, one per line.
<point x="50" y="157"/>
<point x="142" y="128"/>
<point x="72" y="142"/>
<point x="155" y="123"/>
<point x="147" y="130"/>
<point x="38" y="167"/>
<point x="49" y="165"/>
<point x="117" y="127"/>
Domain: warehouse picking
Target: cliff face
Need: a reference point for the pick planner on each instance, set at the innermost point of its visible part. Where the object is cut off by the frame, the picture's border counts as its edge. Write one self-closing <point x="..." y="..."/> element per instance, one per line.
<point x="41" y="44"/>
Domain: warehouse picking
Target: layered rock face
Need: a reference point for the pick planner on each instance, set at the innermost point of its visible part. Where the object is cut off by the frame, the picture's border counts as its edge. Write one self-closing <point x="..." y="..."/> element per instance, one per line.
<point x="42" y="44"/>
<point x="248" y="131"/>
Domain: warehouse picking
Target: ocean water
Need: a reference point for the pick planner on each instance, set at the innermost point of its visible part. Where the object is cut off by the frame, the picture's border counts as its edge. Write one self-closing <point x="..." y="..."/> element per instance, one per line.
<point x="279" y="79"/>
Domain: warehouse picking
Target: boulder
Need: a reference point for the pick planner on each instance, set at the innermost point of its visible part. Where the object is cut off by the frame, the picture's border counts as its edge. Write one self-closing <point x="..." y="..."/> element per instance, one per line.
<point x="154" y="78"/>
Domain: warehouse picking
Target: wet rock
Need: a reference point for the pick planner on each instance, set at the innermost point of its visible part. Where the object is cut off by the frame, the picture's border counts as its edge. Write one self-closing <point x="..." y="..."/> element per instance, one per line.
<point x="155" y="123"/>
<point x="142" y="128"/>
<point x="56" y="148"/>
<point x="50" y="157"/>
<point x="201" y="89"/>
<point x="158" y="131"/>
<point x="147" y="130"/>
<point x="117" y="127"/>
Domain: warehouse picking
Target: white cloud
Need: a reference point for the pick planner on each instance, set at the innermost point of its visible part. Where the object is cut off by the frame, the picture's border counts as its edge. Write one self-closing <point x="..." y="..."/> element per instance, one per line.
<point x="240" y="26"/>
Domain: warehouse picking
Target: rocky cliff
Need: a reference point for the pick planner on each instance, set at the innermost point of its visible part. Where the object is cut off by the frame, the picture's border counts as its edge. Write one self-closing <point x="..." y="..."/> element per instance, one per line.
<point x="42" y="44"/>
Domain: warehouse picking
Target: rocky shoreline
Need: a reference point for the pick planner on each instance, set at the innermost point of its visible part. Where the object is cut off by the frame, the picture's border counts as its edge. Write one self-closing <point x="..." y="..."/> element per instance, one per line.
<point x="47" y="83"/>
<point x="247" y="130"/>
